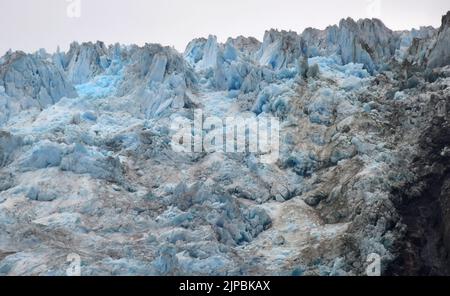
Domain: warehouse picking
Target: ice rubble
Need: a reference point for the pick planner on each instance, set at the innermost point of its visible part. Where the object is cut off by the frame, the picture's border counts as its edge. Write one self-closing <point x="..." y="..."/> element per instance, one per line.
<point x="86" y="152"/>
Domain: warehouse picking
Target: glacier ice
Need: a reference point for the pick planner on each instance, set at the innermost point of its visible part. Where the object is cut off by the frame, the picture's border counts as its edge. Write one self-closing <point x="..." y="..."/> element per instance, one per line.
<point x="439" y="55"/>
<point x="42" y="155"/>
<point x="35" y="81"/>
<point x="85" y="61"/>
<point x="85" y="150"/>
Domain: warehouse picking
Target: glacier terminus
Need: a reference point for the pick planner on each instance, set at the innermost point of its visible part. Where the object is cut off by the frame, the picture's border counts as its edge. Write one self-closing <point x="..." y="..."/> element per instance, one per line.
<point x="89" y="165"/>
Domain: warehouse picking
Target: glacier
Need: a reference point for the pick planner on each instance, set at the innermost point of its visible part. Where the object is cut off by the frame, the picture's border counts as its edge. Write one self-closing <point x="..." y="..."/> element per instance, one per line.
<point x="87" y="166"/>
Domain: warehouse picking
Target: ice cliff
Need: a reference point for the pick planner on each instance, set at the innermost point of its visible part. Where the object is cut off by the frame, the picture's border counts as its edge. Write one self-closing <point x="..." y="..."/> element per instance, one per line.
<point x="31" y="81"/>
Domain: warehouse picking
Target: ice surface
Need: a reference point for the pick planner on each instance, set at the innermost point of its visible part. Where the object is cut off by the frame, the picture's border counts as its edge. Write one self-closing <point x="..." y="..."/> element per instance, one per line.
<point x="86" y="154"/>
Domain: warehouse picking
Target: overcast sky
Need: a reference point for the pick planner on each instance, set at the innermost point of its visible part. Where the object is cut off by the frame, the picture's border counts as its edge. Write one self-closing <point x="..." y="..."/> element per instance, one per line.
<point x="32" y="24"/>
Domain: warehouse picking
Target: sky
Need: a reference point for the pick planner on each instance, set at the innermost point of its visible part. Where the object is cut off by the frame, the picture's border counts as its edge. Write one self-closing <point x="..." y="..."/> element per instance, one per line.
<point x="29" y="25"/>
